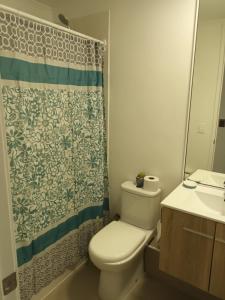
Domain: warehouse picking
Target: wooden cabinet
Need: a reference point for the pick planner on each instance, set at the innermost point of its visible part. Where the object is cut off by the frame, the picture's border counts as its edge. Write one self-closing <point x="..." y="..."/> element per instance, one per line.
<point x="193" y="250"/>
<point x="217" y="282"/>
<point x="186" y="247"/>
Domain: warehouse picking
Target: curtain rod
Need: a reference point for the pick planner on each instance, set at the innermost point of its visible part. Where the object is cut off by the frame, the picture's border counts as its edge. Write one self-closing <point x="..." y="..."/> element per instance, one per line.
<point x="45" y="22"/>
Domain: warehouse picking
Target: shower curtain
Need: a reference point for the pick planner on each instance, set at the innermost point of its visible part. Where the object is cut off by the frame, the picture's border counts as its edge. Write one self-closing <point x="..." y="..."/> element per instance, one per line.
<point x="52" y="95"/>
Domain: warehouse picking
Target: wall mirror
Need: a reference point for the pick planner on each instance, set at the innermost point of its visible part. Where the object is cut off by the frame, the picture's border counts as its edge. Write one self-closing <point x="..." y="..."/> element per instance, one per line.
<point x="206" y="134"/>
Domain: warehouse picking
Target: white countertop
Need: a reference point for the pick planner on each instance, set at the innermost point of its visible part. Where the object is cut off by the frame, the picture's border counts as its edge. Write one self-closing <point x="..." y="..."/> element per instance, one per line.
<point x="208" y="177"/>
<point x="202" y="201"/>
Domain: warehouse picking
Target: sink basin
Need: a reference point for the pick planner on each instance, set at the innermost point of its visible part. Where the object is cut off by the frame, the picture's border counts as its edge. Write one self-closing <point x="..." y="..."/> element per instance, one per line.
<point x="203" y="201"/>
<point x="211" y="202"/>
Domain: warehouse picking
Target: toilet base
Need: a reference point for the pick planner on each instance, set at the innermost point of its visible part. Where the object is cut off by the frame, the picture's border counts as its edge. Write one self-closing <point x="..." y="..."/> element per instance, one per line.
<point x="116" y="285"/>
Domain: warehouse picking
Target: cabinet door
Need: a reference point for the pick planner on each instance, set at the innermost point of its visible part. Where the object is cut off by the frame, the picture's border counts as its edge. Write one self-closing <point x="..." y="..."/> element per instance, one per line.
<point x="186" y="247"/>
<point x="217" y="284"/>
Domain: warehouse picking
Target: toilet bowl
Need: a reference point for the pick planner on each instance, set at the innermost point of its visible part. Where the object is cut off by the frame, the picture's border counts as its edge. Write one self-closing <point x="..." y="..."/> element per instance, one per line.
<point x="117" y="249"/>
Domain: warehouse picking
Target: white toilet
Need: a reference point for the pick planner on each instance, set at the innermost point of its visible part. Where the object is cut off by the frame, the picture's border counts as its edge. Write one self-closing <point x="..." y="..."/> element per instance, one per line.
<point x="117" y="250"/>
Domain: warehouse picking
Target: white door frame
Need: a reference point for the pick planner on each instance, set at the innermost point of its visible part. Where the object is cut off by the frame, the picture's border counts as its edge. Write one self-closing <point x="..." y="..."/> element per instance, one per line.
<point x="8" y="261"/>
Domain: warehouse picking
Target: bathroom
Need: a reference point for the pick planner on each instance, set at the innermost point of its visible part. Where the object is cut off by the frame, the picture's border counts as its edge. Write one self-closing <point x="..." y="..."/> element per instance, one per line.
<point x="149" y="48"/>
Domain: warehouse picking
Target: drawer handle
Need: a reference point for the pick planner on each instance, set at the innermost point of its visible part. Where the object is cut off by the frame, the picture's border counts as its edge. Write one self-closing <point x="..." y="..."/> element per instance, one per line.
<point x="220" y="241"/>
<point x="198" y="233"/>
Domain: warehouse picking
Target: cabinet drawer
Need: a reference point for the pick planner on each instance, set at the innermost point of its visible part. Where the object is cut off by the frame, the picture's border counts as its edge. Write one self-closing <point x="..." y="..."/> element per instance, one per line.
<point x="186" y="247"/>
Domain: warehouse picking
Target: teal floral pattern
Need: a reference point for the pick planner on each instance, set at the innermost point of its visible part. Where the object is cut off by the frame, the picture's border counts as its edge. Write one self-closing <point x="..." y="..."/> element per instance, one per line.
<point x="52" y="94"/>
<point x="56" y="147"/>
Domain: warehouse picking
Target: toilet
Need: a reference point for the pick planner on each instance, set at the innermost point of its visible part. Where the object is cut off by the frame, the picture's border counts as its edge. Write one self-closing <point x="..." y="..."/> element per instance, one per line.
<point x="118" y="249"/>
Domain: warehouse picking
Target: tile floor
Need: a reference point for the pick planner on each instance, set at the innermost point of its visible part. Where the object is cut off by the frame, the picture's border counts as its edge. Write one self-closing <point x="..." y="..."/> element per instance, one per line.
<point x="84" y="286"/>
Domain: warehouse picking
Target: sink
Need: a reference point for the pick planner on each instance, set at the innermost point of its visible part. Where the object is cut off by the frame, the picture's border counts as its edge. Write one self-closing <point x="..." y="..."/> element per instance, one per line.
<point x="211" y="202"/>
<point x="203" y="201"/>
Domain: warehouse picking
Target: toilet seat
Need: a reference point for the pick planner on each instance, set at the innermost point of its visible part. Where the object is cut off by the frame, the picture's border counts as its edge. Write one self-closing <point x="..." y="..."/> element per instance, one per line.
<point x="116" y="242"/>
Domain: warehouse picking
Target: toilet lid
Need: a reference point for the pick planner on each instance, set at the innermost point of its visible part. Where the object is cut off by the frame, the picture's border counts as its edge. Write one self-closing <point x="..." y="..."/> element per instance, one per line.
<point x="116" y="241"/>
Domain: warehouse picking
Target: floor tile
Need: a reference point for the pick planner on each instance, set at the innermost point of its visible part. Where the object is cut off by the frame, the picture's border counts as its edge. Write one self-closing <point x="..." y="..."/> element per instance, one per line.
<point x="83" y="285"/>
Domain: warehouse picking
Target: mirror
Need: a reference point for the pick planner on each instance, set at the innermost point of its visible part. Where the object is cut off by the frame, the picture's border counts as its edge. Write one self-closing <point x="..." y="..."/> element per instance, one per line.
<point x="206" y="134"/>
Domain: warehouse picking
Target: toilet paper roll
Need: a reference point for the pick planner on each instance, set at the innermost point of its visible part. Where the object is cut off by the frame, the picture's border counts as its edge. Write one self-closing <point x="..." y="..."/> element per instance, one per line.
<point x="151" y="183"/>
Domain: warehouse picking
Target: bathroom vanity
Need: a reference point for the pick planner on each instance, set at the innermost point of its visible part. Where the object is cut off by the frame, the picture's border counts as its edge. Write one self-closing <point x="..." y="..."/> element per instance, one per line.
<point x="192" y="246"/>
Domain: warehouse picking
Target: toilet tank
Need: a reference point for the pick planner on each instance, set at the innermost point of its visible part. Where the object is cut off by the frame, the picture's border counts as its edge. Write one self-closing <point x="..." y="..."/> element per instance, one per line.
<point x="139" y="207"/>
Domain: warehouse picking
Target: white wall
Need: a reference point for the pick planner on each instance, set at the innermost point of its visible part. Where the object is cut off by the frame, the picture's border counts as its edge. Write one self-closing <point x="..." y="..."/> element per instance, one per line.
<point x="205" y="95"/>
<point x="32" y="7"/>
<point x="78" y="8"/>
<point x="96" y="25"/>
<point x="151" y="46"/>
<point x="150" y="61"/>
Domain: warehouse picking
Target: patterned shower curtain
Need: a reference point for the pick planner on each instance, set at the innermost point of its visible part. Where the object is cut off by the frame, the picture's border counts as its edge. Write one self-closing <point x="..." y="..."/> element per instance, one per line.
<point x="52" y="94"/>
